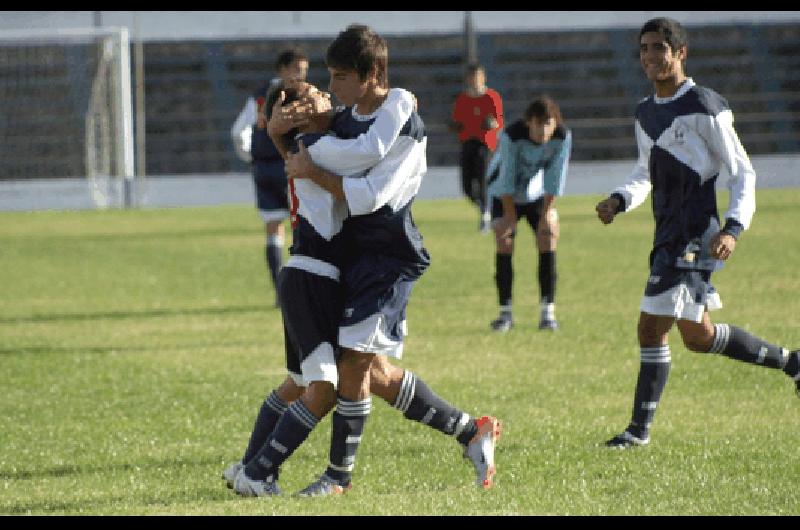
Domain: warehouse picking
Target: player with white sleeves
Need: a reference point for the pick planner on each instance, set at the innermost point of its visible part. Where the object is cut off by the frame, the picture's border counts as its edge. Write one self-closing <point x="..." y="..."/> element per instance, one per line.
<point x="685" y="136"/>
<point x="392" y="183"/>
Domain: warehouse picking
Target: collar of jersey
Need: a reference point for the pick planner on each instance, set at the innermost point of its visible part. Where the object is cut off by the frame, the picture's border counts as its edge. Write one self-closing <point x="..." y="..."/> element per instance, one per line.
<point x="684" y="88"/>
<point x="363" y="117"/>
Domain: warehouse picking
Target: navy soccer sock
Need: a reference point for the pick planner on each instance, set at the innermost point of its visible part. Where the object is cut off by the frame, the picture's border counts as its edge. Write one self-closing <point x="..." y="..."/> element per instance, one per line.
<point x="349" y="420"/>
<point x="547" y="277"/>
<point x="274" y="253"/>
<point x="504" y="278"/>
<point x="653" y="375"/>
<point x="419" y="403"/>
<point x="738" y="344"/>
<point x="292" y="429"/>
<point x="271" y="411"/>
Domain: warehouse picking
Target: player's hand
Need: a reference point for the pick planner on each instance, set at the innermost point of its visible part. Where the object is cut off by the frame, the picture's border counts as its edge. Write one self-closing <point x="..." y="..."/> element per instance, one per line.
<point x="299" y="165"/>
<point x="313" y="101"/>
<point x="279" y="122"/>
<point x="489" y="123"/>
<point x="722" y="245"/>
<point x="607" y="209"/>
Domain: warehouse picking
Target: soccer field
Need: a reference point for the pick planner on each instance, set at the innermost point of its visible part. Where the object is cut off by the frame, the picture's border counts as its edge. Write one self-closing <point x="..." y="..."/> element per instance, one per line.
<point x="136" y="347"/>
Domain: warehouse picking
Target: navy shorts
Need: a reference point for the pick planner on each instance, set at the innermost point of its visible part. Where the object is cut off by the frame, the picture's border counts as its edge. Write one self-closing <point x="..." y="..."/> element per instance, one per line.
<point x="377" y="294"/>
<point x="311" y="306"/>
<point x="272" y="197"/>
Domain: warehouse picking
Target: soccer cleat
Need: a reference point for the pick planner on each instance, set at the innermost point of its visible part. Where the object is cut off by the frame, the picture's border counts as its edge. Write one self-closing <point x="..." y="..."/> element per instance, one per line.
<point x="324" y="486"/>
<point x="480" y="450"/>
<point x="795" y="356"/>
<point x="230" y="473"/>
<point x="548" y="324"/>
<point x="502" y="323"/>
<point x="626" y="440"/>
<point x="248" y="487"/>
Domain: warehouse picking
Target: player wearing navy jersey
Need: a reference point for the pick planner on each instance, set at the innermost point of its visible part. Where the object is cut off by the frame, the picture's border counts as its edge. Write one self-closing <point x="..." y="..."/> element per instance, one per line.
<point x="400" y="388"/>
<point x="252" y="144"/>
<point x="685" y="135"/>
<point x="526" y="175"/>
<point x="385" y="257"/>
<point x="311" y="314"/>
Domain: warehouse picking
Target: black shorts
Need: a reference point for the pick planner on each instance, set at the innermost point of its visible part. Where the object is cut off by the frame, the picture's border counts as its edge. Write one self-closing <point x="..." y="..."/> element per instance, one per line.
<point x="312" y="307"/>
<point x="377" y="295"/>
<point x="531" y="211"/>
<point x="272" y="197"/>
<point x="474" y="158"/>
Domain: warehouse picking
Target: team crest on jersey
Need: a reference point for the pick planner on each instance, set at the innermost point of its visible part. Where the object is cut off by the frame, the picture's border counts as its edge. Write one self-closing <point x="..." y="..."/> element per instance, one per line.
<point x="678" y="134"/>
<point x="476" y="111"/>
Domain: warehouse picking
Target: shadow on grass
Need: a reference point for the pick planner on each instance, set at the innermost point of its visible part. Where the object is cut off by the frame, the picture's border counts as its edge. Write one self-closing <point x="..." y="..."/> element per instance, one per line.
<point x="106" y="350"/>
<point x="106" y="504"/>
<point x="145" y="235"/>
<point x="147" y="313"/>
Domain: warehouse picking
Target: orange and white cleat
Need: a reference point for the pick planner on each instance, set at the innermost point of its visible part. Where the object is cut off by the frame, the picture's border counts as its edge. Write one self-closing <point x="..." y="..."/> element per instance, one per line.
<point x="325" y="486"/>
<point x="480" y="450"/>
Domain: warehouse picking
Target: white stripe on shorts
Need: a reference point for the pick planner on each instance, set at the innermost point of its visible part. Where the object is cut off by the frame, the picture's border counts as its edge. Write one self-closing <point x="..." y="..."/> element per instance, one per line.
<point x="678" y="302"/>
<point x="320" y="365"/>
<point x="370" y="336"/>
<point x="314" y="266"/>
<point x="269" y="216"/>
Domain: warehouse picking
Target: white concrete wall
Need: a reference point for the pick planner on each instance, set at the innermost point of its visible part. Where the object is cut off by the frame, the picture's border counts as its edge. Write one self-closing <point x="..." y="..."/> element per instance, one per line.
<point x="584" y="178"/>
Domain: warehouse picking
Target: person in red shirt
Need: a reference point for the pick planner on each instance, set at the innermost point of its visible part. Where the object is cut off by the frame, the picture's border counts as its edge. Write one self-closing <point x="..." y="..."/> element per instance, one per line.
<point x="477" y="117"/>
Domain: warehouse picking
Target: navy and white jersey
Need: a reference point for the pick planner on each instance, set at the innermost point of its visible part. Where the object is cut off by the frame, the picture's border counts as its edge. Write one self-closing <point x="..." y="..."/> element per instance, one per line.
<point x="528" y="170"/>
<point x="318" y="216"/>
<point x="317" y="219"/>
<point x="683" y="142"/>
<point x="383" y="175"/>
<point x="242" y="128"/>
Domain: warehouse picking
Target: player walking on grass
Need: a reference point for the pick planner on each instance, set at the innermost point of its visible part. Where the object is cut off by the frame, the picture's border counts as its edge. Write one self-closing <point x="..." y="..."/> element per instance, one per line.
<point x="527" y="173"/>
<point x="401" y="388"/>
<point x="685" y="134"/>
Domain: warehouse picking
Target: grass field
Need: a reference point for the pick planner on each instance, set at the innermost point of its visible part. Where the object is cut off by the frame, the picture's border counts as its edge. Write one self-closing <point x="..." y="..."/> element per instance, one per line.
<point x="137" y="346"/>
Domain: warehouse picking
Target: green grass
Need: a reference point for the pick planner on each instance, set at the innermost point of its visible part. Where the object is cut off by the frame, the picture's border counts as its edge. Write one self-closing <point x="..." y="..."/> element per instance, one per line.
<point x="137" y="346"/>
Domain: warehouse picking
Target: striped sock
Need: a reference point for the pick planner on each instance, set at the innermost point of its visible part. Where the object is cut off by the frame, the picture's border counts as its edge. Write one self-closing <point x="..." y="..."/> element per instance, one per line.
<point x="292" y="429"/>
<point x="349" y="420"/>
<point x="271" y="411"/>
<point x="419" y="403"/>
<point x="653" y="375"/>
<point x="736" y="343"/>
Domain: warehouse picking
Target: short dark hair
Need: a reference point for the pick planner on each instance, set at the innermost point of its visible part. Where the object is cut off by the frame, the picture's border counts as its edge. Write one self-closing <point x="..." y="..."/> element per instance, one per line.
<point x="472" y="68"/>
<point x="290" y="55"/>
<point x="670" y="29"/>
<point x="360" y="49"/>
<point x="543" y="107"/>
